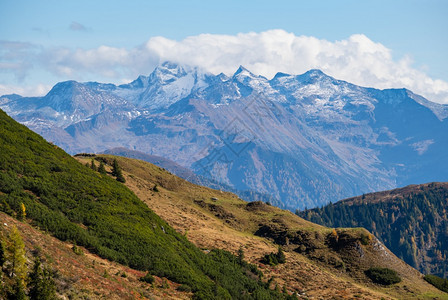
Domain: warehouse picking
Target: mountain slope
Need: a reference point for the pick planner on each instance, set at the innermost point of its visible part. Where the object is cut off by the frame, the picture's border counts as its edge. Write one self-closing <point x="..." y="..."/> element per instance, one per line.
<point x="303" y="139"/>
<point x="188" y="175"/>
<point x="411" y="221"/>
<point x="74" y="203"/>
<point x="317" y="266"/>
<point x="85" y="275"/>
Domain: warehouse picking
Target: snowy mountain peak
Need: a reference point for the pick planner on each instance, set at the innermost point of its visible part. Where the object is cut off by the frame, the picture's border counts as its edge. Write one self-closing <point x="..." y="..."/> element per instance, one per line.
<point x="11" y="97"/>
<point x="140" y="82"/>
<point x="316" y="72"/>
<point x="169" y="72"/>
<point x="248" y="78"/>
<point x="169" y="69"/>
<point x="315" y="75"/>
<point x="280" y="75"/>
<point x="222" y="77"/>
<point x="170" y="82"/>
<point x="242" y="72"/>
<point x="65" y="87"/>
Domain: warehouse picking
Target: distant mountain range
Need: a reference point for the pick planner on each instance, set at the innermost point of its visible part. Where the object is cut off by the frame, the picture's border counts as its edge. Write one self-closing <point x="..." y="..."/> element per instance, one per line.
<point x="306" y="139"/>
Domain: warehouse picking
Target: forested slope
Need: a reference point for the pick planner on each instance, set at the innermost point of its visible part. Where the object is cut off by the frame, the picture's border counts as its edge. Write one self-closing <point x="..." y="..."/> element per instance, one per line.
<point x="411" y="221"/>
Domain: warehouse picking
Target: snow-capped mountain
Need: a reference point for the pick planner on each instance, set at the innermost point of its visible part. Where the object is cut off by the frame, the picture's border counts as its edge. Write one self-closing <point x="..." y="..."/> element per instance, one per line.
<point x="305" y="139"/>
<point x="169" y="83"/>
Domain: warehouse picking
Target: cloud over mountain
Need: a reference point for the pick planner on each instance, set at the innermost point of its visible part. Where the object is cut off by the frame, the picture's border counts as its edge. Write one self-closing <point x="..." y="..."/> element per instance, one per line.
<point x="356" y="59"/>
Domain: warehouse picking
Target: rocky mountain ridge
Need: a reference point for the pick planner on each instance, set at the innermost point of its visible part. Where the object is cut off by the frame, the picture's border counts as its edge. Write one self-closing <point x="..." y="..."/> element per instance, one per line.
<point x="304" y="139"/>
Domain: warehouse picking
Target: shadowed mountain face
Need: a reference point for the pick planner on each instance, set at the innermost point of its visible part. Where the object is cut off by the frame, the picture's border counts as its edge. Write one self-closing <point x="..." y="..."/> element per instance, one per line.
<point x="306" y="139"/>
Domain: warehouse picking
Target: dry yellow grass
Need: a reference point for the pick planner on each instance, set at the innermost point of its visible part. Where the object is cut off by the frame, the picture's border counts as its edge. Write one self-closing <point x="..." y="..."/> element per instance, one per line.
<point x="215" y="219"/>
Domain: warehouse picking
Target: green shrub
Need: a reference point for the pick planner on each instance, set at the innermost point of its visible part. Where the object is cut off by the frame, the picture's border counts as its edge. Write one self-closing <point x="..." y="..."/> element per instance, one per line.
<point x="440" y="283"/>
<point x="77" y="250"/>
<point x="274" y="259"/>
<point x="383" y="276"/>
<point x="365" y="239"/>
<point x="148" y="278"/>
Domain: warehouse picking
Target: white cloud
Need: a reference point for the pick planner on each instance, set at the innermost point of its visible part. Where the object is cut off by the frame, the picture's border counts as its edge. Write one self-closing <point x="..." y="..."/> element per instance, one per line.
<point x="356" y="59"/>
<point x="28" y="90"/>
<point x="16" y="58"/>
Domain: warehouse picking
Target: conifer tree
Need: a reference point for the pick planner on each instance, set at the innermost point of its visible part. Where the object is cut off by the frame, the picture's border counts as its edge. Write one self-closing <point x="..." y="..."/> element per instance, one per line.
<point x="101" y="168"/>
<point x="281" y="258"/>
<point x="15" y="256"/>
<point x="92" y="165"/>
<point x="22" y="212"/>
<point x="41" y="284"/>
<point x="36" y="279"/>
<point x="15" y="265"/>
<point x="2" y="261"/>
<point x="19" y="290"/>
<point x="115" y="168"/>
<point x="116" y="171"/>
<point x="2" y="252"/>
<point x="241" y="255"/>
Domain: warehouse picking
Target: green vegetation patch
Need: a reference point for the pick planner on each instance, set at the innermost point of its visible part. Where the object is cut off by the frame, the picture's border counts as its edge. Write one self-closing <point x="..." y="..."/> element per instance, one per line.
<point x="383" y="276"/>
<point x="274" y="259"/>
<point x="148" y="278"/>
<point x="440" y="283"/>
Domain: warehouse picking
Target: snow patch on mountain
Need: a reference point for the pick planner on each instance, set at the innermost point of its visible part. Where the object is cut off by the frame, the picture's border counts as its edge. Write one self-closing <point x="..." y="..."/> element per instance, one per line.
<point x="305" y="139"/>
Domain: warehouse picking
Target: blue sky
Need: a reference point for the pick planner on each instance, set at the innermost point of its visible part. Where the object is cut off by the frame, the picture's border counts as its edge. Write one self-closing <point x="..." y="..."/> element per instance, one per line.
<point x="52" y="37"/>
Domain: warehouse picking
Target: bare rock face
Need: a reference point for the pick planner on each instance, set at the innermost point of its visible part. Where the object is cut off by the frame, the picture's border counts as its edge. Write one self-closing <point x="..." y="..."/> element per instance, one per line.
<point x="303" y="139"/>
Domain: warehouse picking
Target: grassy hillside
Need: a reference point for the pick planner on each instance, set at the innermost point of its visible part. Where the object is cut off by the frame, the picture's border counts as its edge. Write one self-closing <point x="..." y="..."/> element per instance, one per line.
<point x="77" y="204"/>
<point x="412" y="222"/>
<point x="321" y="262"/>
<point x="83" y="275"/>
<point x="187" y="174"/>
